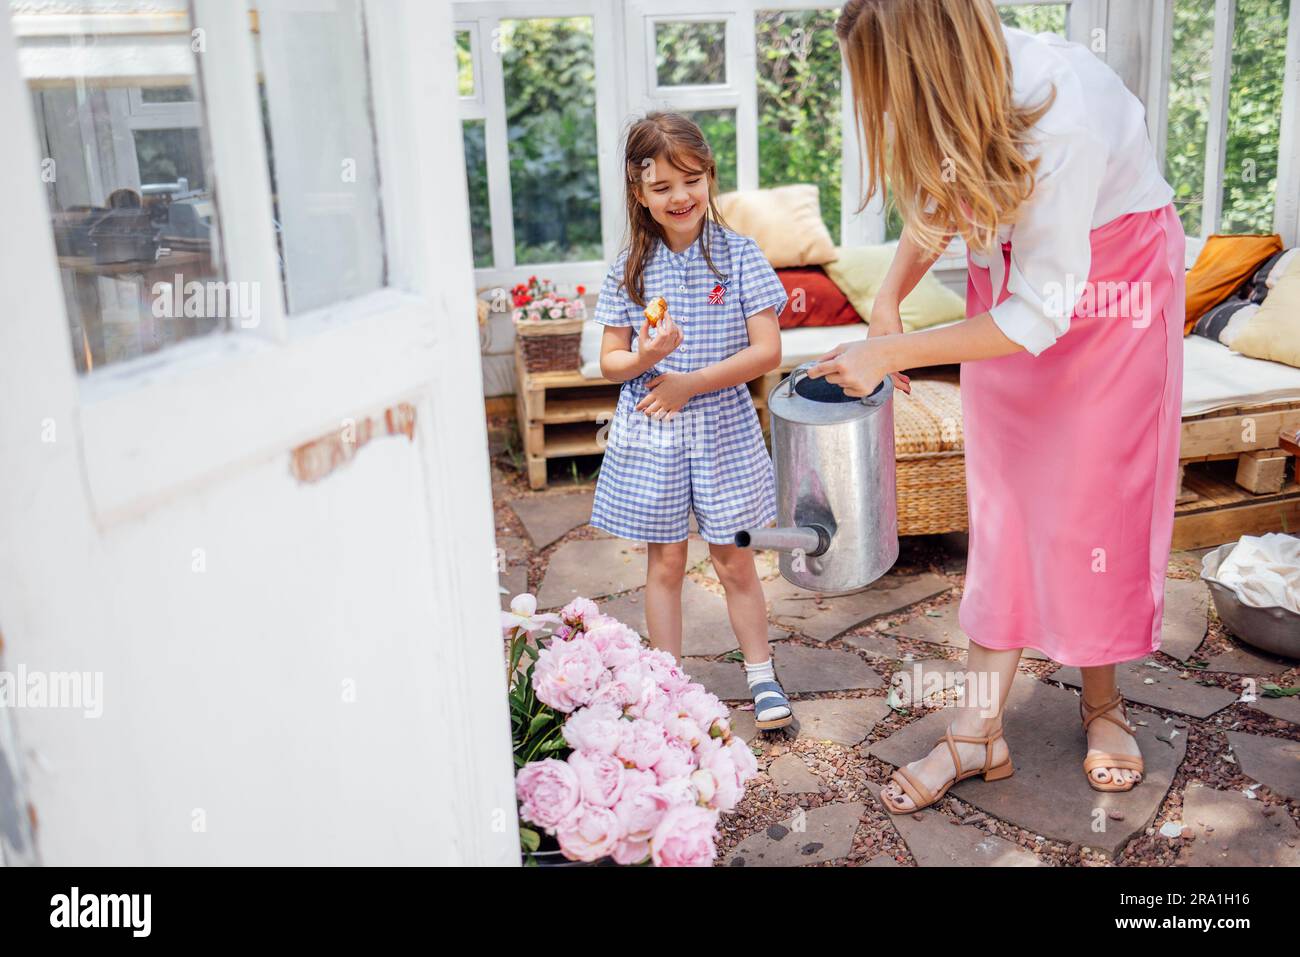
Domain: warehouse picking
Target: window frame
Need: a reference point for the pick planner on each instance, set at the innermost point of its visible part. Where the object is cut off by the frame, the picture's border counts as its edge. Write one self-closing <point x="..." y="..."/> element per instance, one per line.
<point x="155" y="426"/>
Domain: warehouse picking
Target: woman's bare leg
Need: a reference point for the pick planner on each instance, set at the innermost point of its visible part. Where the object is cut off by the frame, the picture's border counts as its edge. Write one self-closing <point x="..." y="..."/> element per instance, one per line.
<point x="989" y="673"/>
<point x="1103" y="735"/>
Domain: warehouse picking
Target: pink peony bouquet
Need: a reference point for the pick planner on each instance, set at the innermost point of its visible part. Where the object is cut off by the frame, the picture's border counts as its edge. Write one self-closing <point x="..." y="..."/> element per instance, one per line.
<point x="619" y="753"/>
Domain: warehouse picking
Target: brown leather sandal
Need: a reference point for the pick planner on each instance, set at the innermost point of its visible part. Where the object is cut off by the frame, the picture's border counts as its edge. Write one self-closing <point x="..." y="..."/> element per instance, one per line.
<point x="1092" y="762"/>
<point x="920" y="794"/>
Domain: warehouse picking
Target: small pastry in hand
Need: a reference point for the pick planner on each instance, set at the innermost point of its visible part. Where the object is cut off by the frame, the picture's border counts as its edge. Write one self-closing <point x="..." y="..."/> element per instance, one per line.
<point x="655" y="310"/>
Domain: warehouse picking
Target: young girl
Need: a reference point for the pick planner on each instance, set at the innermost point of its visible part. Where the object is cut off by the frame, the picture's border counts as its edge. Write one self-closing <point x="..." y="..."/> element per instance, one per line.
<point x="1071" y="380"/>
<point x="685" y="436"/>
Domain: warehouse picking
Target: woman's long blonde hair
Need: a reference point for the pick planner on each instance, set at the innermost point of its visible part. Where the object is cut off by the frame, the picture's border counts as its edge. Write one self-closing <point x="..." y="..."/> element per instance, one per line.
<point x="682" y="141"/>
<point x="955" y="155"/>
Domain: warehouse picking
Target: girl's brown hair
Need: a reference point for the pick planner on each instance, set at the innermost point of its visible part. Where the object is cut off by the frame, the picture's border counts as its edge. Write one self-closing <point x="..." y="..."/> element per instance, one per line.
<point x="682" y="142"/>
<point x="955" y="155"/>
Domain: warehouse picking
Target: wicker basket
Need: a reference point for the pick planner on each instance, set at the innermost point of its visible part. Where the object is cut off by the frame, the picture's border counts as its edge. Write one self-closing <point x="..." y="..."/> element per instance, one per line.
<point x="550" y="345"/>
<point x="931" y="461"/>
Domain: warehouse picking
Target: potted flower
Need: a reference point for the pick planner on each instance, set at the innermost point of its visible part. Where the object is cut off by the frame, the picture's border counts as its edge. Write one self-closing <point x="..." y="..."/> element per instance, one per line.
<point x="548" y="326"/>
<point x="620" y="757"/>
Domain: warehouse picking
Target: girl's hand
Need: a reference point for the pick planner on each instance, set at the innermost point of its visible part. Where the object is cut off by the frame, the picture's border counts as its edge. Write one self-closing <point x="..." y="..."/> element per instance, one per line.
<point x="853" y="366"/>
<point x="885" y="321"/>
<point x="668" y="336"/>
<point x="668" y="393"/>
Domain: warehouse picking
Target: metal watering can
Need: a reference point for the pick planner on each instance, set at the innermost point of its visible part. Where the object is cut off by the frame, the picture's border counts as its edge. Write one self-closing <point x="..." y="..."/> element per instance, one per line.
<point x="837" y="511"/>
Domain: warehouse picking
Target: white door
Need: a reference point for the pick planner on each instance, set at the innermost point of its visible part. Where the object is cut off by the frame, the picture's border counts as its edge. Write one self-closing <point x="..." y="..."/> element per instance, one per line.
<point x="246" y="542"/>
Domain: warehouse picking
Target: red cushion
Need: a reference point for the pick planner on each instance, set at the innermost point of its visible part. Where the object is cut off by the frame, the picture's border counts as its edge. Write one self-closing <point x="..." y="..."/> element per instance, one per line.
<point x="815" y="300"/>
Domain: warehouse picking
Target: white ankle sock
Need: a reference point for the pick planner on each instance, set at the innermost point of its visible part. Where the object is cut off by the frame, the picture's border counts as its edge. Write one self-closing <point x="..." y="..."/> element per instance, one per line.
<point x="757" y="673"/>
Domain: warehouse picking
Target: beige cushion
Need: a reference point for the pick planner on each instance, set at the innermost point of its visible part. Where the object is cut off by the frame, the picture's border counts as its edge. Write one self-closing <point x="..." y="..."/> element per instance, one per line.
<point x="785" y="221"/>
<point x="1274" y="331"/>
<point x="860" y="271"/>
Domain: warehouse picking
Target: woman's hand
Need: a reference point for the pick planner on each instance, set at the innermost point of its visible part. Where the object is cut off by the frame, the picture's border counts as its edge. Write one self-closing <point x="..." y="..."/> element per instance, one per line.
<point x="668" y="393"/>
<point x="886" y="321"/>
<point x="853" y="366"/>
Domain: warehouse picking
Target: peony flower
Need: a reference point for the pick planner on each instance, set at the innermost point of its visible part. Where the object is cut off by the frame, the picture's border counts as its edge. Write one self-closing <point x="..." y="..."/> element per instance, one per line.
<point x="548" y="791"/>
<point x="701" y="704"/>
<point x="720" y="764"/>
<point x="618" y="644"/>
<point x="630" y="852"/>
<point x="600" y="776"/>
<point x="641" y="805"/>
<point x="597" y="727"/>
<point x="676" y="761"/>
<point x="523" y="614"/>
<point x="667" y="674"/>
<point x="641" y="744"/>
<point x="589" y="833"/>
<point x="743" y="758"/>
<point x="577" y="612"/>
<point x="683" y="728"/>
<point x="567" y="674"/>
<point x="685" y="837"/>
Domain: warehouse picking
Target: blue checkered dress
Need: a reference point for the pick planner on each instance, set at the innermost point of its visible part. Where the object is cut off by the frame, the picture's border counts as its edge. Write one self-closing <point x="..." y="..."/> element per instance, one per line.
<point x="710" y="457"/>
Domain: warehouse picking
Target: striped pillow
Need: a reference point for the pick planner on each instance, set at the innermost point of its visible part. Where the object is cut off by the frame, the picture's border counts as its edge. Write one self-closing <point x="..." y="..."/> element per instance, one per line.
<point x="1224" y="321"/>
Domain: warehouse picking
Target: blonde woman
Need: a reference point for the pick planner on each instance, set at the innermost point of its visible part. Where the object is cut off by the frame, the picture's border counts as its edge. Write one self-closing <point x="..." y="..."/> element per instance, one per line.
<point x="1032" y="150"/>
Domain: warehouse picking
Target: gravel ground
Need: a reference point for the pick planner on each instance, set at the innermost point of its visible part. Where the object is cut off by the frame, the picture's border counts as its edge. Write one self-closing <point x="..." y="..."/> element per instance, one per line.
<point x="844" y="771"/>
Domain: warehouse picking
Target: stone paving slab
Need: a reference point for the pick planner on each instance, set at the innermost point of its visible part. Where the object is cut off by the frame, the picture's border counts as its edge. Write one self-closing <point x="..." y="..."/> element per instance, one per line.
<point x="1160" y="687"/>
<point x="1273" y="762"/>
<point x="1286" y="709"/>
<point x="916" y="681"/>
<point x="515" y="582"/>
<point x="548" y="518"/>
<point x="843" y="721"/>
<point x="936" y="842"/>
<point x="1049" y="794"/>
<point x="804" y="670"/>
<point x="799" y="611"/>
<point x="1230" y="830"/>
<point x="877" y="646"/>
<point x="591" y="569"/>
<point x="810" y="837"/>
<point x="1241" y="660"/>
<point x="882" y="860"/>
<point x="706" y="629"/>
<point x="726" y="679"/>
<point x="1186" y="618"/>
<point x="791" y="775"/>
<point x="943" y="629"/>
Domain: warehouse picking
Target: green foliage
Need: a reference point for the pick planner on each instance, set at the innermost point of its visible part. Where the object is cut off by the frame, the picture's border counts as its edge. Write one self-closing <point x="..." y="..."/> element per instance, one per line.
<point x="550" y="93"/>
<point x="1254" y="113"/>
<point x="799" y="128"/>
<point x="480" y="213"/>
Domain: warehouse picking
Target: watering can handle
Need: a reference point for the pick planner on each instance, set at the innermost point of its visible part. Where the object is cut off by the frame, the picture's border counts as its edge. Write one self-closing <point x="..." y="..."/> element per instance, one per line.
<point x="803" y="368"/>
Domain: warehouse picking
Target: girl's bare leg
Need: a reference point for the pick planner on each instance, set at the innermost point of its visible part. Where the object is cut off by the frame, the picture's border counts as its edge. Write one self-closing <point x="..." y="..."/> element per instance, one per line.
<point x="746" y="606"/>
<point x="663" y="595"/>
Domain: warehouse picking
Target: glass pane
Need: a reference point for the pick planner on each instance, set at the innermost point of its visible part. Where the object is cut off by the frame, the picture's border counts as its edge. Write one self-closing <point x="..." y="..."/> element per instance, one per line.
<point x="798" y="75"/>
<point x="719" y="128"/>
<point x="321" y="148"/>
<point x="1036" y="18"/>
<point x="480" y="214"/>
<point x="550" y="92"/>
<point x="464" y="63"/>
<point x="135" y="228"/>
<point x="1254" y="115"/>
<point x="167" y="94"/>
<point x="690" y="53"/>
<point x="1189" y="108"/>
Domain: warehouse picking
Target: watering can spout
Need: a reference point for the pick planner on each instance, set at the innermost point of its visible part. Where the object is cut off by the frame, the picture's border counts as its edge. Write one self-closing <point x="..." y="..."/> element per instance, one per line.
<point x="811" y="540"/>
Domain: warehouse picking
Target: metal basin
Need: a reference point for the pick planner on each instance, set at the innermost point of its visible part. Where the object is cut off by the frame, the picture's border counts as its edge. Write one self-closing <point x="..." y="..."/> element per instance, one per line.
<point x="1275" y="630"/>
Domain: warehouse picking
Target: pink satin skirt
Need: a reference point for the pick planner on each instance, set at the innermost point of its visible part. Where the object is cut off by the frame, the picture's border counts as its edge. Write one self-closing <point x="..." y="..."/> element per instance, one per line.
<point x="1072" y="458"/>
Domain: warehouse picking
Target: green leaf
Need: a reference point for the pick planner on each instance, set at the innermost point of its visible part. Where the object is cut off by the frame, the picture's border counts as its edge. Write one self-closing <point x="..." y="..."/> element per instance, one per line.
<point x="529" y="839"/>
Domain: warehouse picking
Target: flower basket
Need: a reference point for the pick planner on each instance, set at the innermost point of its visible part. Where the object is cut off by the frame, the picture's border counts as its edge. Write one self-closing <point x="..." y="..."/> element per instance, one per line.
<point x="620" y="757"/>
<point x="550" y="345"/>
<point x="548" y="327"/>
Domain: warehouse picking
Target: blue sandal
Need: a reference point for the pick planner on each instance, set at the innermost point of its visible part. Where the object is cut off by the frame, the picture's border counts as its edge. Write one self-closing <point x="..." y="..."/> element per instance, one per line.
<point x="768" y="698"/>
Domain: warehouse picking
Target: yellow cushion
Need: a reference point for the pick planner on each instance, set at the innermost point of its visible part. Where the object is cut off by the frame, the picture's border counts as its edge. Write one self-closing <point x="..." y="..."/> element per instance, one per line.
<point x="859" y="271"/>
<point x="1274" y="331"/>
<point x="785" y="221"/>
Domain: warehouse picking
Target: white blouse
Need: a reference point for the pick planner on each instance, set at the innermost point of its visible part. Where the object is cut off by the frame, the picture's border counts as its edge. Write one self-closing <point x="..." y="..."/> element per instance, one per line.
<point x="1097" y="164"/>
